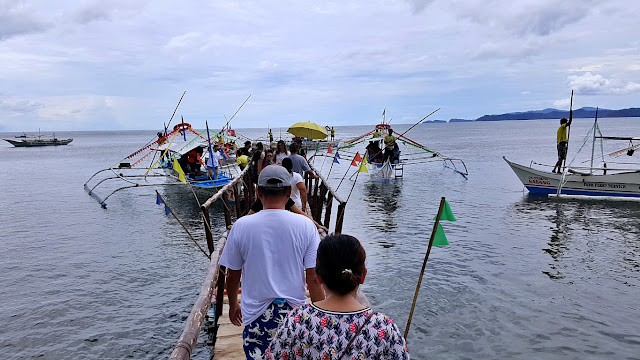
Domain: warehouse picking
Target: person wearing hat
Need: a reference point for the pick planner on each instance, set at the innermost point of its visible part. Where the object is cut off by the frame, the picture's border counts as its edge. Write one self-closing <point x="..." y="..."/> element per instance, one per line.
<point x="274" y="252"/>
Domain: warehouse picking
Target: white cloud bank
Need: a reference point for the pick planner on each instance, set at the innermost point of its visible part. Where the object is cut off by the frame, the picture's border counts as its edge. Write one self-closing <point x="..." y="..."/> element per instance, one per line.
<point x="123" y="64"/>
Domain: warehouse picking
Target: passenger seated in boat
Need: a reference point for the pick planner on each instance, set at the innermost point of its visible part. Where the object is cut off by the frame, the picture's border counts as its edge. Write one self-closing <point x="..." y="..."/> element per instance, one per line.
<point x="374" y="153"/>
<point x="339" y="325"/>
<point x="273" y="252"/>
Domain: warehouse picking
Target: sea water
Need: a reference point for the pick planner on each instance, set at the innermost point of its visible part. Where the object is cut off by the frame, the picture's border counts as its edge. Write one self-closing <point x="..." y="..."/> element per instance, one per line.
<point x="523" y="277"/>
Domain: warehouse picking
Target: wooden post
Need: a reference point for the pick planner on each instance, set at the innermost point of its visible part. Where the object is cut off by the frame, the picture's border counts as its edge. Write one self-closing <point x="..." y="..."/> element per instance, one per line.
<point x="315" y="199"/>
<point x="340" y="218"/>
<point x="207" y="228"/>
<point x="424" y="265"/>
<point x="320" y="205"/>
<point x="247" y="193"/>
<point x="236" y="191"/>
<point x="222" y="276"/>
<point x="225" y="209"/>
<point x="327" y="212"/>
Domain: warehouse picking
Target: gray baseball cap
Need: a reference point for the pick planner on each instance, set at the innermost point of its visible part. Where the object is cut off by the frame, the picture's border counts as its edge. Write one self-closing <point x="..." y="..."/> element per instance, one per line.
<point x="274" y="176"/>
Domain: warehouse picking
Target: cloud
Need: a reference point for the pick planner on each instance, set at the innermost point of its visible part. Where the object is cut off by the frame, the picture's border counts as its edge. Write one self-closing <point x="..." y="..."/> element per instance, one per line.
<point x="18" y="106"/>
<point x="597" y="84"/>
<point x="562" y="103"/>
<point x="16" y="19"/>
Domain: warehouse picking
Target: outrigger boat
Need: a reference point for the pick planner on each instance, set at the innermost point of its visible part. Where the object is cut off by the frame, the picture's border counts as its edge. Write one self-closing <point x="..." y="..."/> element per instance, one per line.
<point x="165" y="158"/>
<point x="25" y="141"/>
<point x="387" y="167"/>
<point x="604" y="180"/>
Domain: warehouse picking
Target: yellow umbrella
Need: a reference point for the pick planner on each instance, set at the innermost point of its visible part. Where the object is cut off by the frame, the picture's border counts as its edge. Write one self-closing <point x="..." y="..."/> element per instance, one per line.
<point x="307" y="130"/>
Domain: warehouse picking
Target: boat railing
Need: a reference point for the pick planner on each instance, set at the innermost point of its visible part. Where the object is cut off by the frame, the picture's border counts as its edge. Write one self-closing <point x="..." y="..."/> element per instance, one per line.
<point x="589" y="170"/>
<point x="321" y="197"/>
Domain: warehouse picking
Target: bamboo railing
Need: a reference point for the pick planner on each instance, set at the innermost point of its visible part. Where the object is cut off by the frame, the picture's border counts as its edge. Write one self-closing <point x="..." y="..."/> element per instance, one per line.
<point x="320" y="196"/>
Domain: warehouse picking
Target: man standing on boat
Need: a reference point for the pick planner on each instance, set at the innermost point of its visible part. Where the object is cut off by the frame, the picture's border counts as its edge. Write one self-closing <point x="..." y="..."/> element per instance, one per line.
<point x="389" y="147"/>
<point x="214" y="162"/>
<point x="563" y="143"/>
<point x="272" y="251"/>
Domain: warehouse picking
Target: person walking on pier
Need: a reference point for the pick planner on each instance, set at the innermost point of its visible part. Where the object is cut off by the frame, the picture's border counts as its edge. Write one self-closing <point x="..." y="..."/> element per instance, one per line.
<point x="272" y="251"/>
<point x="338" y="327"/>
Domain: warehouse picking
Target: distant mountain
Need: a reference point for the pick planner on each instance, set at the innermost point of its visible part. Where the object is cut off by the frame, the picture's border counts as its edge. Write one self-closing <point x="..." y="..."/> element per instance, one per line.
<point x="585" y="112"/>
<point x="434" y="121"/>
<point x="549" y="113"/>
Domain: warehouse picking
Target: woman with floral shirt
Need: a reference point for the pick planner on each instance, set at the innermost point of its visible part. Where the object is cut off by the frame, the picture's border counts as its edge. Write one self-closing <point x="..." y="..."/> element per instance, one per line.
<point x="338" y="327"/>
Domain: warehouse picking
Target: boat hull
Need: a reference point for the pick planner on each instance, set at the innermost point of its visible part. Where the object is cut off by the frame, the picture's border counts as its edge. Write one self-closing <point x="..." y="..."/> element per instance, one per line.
<point x="33" y="143"/>
<point x="623" y="184"/>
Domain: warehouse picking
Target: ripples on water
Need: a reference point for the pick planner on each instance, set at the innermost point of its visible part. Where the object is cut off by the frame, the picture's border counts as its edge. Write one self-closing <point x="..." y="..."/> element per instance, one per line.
<point x="523" y="278"/>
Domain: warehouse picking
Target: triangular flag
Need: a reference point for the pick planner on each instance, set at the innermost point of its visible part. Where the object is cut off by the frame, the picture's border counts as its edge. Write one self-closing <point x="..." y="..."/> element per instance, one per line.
<point x="357" y="157"/>
<point x="446" y="215"/>
<point x="330" y="149"/>
<point x="166" y="210"/>
<point x="363" y="168"/>
<point x="354" y="163"/>
<point x="335" y="160"/>
<point x="158" y="201"/>
<point x="338" y="155"/>
<point x="176" y="167"/>
<point x="440" y="239"/>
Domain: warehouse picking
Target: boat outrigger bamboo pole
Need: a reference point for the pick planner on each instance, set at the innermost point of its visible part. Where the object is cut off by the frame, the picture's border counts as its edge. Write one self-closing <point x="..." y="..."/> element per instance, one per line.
<point x="174" y="112"/>
<point x="564" y="162"/>
<point x="593" y="143"/>
<point x="234" y="114"/>
<point x="424" y="265"/>
<point x="421" y="120"/>
<point x="184" y="227"/>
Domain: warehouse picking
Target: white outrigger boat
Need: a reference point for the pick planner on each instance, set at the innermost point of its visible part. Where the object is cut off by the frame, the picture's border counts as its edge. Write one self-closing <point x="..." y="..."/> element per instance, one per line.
<point x="387" y="167"/>
<point x="616" y="181"/>
<point x="162" y="162"/>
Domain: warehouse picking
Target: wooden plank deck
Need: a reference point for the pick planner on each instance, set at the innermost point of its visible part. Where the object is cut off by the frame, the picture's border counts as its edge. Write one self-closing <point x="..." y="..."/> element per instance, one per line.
<point x="229" y="339"/>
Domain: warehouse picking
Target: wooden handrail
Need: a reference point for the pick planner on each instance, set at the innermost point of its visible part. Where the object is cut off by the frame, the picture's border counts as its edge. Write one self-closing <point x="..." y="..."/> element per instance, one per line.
<point x="326" y="183"/>
<point x="218" y="195"/>
<point x="189" y="337"/>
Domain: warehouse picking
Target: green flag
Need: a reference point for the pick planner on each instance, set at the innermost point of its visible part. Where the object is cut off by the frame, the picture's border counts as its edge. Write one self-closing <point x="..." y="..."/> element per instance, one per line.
<point x="440" y="239"/>
<point x="446" y="213"/>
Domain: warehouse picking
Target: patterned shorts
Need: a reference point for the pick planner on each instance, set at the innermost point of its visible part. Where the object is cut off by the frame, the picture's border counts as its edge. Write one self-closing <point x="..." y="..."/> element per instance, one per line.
<point x="257" y="335"/>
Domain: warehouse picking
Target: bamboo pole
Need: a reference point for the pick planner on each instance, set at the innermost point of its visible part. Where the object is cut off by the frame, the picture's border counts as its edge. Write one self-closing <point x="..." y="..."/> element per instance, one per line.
<point x="424" y="265"/>
<point x="207" y="229"/>
<point x="184" y="227"/>
<point x="564" y="162"/>
<point x="327" y="213"/>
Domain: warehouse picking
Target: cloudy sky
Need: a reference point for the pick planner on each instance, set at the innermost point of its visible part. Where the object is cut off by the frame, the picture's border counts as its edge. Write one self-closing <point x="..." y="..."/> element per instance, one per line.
<point x="92" y="65"/>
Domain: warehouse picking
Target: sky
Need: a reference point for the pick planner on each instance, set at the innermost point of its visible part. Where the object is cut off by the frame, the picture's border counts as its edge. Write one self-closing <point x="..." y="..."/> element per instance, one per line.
<point x="124" y="64"/>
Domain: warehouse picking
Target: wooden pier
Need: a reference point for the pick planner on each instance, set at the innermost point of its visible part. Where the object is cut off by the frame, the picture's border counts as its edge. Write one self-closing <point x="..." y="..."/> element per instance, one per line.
<point x="226" y="336"/>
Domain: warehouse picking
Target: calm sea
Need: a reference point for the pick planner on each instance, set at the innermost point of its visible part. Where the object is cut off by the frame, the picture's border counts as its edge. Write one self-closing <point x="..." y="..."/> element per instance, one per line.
<point x="523" y="278"/>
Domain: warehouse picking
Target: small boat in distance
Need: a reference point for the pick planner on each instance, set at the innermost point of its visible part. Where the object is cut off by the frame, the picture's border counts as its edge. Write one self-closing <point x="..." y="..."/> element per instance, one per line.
<point x="38" y="141"/>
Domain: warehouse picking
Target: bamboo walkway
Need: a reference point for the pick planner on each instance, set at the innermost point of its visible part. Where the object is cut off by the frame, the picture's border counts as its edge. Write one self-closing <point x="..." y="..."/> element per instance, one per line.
<point x="229" y="338"/>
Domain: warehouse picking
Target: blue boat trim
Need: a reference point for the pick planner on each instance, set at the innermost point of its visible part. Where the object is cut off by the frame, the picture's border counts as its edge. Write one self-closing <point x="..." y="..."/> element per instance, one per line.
<point x="565" y="191"/>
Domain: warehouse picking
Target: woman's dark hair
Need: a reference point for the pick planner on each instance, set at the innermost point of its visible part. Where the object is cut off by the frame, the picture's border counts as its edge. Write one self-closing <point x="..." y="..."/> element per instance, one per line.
<point x="340" y="262"/>
<point x="287" y="164"/>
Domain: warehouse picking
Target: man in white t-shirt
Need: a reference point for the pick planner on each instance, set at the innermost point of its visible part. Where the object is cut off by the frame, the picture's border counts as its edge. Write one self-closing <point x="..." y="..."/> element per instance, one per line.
<point x="272" y="251"/>
<point x="214" y="162"/>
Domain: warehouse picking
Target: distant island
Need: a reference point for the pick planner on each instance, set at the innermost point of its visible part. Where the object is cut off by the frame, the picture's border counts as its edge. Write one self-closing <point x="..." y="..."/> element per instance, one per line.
<point x="585" y="112"/>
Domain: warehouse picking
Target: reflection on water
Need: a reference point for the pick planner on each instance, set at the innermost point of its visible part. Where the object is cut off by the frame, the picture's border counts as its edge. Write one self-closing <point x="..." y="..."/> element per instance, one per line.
<point x="587" y="235"/>
<point x="383" y="201"/>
